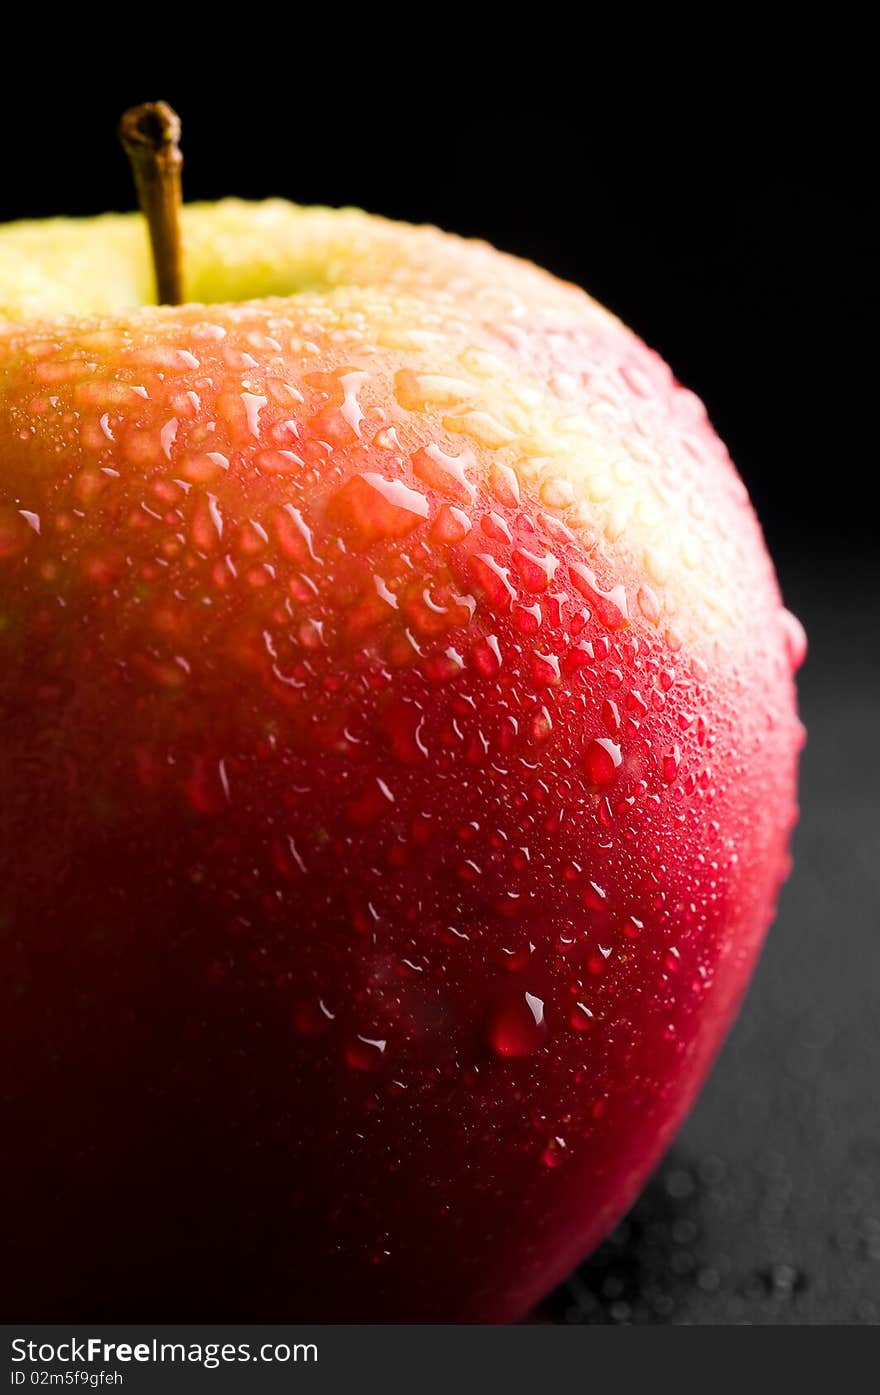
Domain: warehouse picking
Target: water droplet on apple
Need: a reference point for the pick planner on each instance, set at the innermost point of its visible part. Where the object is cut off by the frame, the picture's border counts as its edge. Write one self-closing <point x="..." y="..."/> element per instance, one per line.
<point x="445" y="473"/>
<point x="594" y="897"/>
<point x="365" y="1053"/>
<point x="312" y="1019"/>
<point x="610" y="606"/>
<point x="373" y="508"/>
<point x="16" y="534"/>
<point x="554" y="1153"/>
<point x="517" y="1026"/>
<point x="580" y="1018"/>
<point x="602" y="759"/>
<point x="795" y="639"/>
<point x="669" y="763"/>
<point x="535" y="571"/>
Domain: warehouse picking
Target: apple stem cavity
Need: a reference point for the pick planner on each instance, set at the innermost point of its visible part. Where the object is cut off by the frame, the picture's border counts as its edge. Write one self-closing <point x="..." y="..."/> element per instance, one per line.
<point x="150" y="137"/>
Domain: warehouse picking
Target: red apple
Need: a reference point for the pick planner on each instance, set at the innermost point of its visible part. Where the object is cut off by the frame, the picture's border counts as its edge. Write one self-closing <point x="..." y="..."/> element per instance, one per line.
<point x="398" y="767"/>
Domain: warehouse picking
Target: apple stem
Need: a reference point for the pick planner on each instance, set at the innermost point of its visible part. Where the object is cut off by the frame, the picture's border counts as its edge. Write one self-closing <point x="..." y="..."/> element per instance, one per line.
<point x="150" y="136"/>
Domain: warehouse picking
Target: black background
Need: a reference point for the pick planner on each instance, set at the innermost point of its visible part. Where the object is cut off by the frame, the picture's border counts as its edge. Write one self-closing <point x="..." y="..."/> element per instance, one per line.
<point x="717" y="191"/>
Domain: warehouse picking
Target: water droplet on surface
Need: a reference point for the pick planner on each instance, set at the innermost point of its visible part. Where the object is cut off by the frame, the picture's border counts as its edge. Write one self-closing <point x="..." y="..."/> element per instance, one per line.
<point x="373" y="508"/>
<point x="312" y="1019"/>
<point x="204" y="469"/>
<point x="552" y="1155"/>
<point x="350" y="410"/>
<point x="387" y="439"/>
<point x="517" y="1026"/>
<point x="601" y="760"/>
<point x="648" y="604"/>
<point x="610" y="606"/>
<point x="450" y="525"/>
<point x="545" y="669"/>
<point x="493" y="581"/>
<point x="16" y="534"/>
<point x="594" y="897"/>
<point x="514" y="960"/>
<point x="795" y="639"/>
<point x="535" y="571"/>
<point x="365" y="1053"/>
<point x="580" y="1018"/>
<point x="206" y="786"/>
<point x="287" y="859"/>
<point x="496" y="527"/>
<point x="669" y="764"/>
<point x="504" y="483"/>
<point x="486" y="656"/>
<point x="253" y="405"/>
<point x="446" y="473"/>
<point x="611" y="716"/>
<point x="672" y="960"/>
<point x="278" y="462"/>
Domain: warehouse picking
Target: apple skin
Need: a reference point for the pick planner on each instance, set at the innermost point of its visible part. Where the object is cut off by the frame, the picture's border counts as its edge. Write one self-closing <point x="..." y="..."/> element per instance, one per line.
<point x="398" y="770"/>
